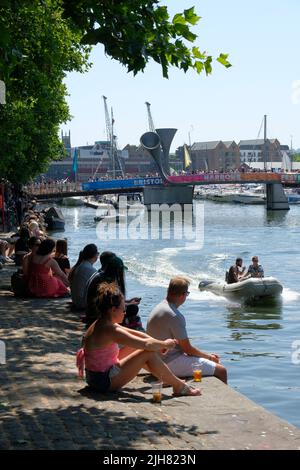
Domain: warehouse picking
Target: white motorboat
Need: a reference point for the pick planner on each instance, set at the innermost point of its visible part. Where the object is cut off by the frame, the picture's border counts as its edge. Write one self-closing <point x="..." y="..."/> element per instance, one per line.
<point x="117" y="217"/>
<point x="95" y="204"/>
<point x="249" y="197"/>
<point x="247" y="290"/>
<point x="255" y="195"/>
<point x="111" y="218"/>
<point x="293" y="196"/>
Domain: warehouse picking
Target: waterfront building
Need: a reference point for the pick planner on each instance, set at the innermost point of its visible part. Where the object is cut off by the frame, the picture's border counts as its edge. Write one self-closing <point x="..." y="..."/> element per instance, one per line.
<point x="138" y="161"/>
<point x="257" y="150"/>
<point x="215" y="155"/>
<point x="93" y="161"/>
<point x="232" y="155"/>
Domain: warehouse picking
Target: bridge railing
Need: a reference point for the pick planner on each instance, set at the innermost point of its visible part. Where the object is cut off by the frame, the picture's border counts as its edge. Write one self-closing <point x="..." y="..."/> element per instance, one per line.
<point x="37" y="189"/>
<point x="52" y="188"/>
<point x="230" y="177"/>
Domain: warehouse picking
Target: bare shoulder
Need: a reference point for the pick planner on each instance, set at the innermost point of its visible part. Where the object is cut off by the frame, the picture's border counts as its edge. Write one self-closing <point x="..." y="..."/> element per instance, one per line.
<point x="120" y="331"/>
<point x="99" y="336"/>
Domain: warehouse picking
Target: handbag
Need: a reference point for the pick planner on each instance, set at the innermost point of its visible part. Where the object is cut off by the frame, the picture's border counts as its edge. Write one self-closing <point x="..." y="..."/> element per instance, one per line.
<point x="18" y="284"/>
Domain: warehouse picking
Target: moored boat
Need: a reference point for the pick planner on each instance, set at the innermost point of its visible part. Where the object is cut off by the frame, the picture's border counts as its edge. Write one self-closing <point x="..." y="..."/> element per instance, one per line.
<point x="293" y="198"/>
<point x="98" y="204"/>
<point x="116" y="217"/>
<point x="111" y="218"/>
<point x="54" y="218"/>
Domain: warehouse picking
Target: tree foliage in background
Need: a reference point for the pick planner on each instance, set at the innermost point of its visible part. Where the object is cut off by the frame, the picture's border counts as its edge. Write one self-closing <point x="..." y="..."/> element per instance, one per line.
<point x="42" y="40"/>
<point x="296" y="157"/>
<point x="135" y="31"/>
<point x="37" y="49"/>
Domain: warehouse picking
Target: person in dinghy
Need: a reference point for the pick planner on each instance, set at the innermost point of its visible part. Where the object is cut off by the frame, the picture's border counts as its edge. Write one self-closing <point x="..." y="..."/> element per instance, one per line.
<point x="255" y="269"/>
<point x="236" y="272"/>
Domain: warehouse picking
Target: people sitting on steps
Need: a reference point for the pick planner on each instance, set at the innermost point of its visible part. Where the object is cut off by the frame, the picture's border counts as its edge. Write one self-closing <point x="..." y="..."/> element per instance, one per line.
<point x="33" y="245"/>
<point x="61" y="255"/>
<point x="4" y="250"/>
<point x="106" y="367"/>
<point x="21" y="246"/>
<point x="112" y="270"/>
<point x="41" y="279"/>
<point x="81" y="273"/>
<point x="166" y="321"/>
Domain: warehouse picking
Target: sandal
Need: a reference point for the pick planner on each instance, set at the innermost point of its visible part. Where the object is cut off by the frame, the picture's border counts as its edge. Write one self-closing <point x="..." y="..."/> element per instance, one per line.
<point x="188" y="390"/>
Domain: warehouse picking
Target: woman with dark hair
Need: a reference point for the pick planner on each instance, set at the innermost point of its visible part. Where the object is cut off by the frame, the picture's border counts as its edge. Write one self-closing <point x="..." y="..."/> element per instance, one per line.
<point x="21" y="246"/>
<point x="105" y="369"/>
<point x="46" y="279"/>
<point x="61" y="255"/>
<point x="112" y="270"/>
<point x="33" y="245"/>
<point x="80" y="274"/>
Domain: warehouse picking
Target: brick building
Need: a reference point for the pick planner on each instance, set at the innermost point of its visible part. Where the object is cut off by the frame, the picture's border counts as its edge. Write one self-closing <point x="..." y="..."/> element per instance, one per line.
<point x="215" y="155"/>
<point x="138" y="161"/>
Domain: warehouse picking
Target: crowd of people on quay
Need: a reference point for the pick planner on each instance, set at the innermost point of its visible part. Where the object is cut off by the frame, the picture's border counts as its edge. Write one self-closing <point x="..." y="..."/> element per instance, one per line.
<point x="115" y="346"/>
<point x="14" y="204"/>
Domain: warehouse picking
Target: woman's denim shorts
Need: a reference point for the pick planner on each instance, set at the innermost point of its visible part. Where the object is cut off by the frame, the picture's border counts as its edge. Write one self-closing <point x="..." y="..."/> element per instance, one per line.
<point x="101" y="381"/>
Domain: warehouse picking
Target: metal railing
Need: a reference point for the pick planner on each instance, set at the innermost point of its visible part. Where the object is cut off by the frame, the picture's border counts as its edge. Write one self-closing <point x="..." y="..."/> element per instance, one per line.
<point x="52" y="188"/>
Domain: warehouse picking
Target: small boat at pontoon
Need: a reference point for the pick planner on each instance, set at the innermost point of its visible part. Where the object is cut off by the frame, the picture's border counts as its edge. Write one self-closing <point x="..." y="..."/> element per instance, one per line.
<point x="103" y="204"/>
<point x="111" y="218"/>
<point x="117" y="217"/>
<point x="247" y="290"/>
<point x="293" y="196"/>
<point x="54" y="218"/>
<point x="255" y="195"/>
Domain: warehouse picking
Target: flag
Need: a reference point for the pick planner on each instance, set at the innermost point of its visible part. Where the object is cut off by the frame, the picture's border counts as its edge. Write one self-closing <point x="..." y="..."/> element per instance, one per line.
<point x="187" y="157"/>
<point x="75" y="156"/>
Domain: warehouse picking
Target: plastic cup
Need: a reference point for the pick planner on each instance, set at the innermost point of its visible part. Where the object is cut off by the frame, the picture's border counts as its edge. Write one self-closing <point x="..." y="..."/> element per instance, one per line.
<point x="156" y="392"/>
<point x="197" y="372"/>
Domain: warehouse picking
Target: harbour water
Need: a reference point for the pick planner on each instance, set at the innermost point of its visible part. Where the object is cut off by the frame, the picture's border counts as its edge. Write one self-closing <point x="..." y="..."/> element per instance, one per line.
<point x="254" y="342"/>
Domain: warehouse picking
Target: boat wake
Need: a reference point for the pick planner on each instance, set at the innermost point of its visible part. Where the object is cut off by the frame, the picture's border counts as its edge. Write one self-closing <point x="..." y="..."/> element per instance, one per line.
<point x="289" y="295"/>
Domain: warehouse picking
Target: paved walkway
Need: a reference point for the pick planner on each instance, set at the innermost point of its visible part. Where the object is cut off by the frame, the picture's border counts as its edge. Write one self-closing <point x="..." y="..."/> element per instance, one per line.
<point x="43" y="405"/>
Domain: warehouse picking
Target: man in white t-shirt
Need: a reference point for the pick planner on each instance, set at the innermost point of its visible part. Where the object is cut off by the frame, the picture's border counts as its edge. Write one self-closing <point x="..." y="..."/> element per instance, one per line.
<point x="166" y="321"/>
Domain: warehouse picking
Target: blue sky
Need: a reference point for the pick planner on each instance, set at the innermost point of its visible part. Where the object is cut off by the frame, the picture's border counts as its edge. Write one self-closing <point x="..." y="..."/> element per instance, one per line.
<point x="262" y="38"/>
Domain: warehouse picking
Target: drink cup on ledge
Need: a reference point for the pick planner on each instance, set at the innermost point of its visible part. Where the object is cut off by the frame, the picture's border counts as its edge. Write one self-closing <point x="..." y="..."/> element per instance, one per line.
<point x="197" y="372"/>
<point x="156" y="392"/>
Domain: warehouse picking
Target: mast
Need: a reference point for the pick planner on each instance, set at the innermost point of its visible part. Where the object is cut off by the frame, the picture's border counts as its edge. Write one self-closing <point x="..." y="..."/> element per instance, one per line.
<point x="265" y="142"/>
<point x="291" y="153"/>
<point x="112" y="144"/>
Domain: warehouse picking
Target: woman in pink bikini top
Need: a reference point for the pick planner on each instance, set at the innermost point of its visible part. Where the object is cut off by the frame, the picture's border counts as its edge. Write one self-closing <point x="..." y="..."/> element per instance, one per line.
<point x="106" y="367"/>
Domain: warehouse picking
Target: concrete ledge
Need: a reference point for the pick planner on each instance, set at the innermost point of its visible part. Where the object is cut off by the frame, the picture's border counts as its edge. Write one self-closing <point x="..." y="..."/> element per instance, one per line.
<point x="44" y="406"/>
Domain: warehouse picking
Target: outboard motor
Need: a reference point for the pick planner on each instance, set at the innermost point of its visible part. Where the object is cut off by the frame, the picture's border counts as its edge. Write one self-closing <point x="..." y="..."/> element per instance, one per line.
<point x="203" y="284"/>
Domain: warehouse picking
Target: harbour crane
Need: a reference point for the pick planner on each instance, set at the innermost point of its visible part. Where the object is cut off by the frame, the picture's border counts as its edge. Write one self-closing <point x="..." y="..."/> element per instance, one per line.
<point x="109" y="121"/>
<point x="150" y="120"/>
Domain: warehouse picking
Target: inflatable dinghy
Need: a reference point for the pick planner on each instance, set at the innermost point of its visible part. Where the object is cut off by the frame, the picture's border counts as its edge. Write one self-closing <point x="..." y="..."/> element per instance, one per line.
<point x="249" y="289"/>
